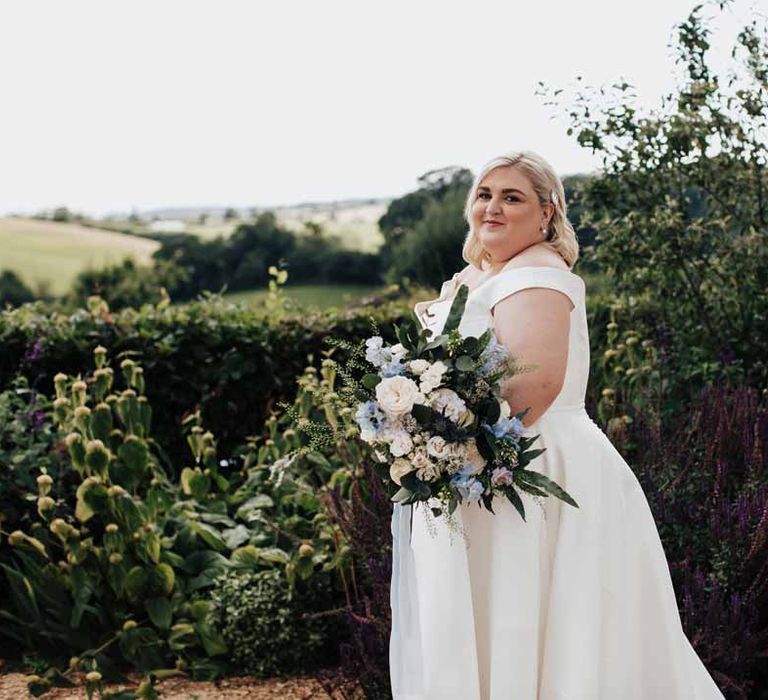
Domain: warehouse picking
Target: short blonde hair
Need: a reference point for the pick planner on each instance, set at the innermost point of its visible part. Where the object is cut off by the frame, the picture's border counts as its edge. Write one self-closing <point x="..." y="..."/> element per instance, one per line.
<point x="560" y="235"/>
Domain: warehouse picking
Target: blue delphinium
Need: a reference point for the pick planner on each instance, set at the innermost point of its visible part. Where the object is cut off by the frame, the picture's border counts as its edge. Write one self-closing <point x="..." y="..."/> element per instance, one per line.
<point x="375" y="352"/>
<point x="388" y="360"/>
<point x="509" y="428"/>
<point x="493" y="354"/>
<point x="468" y="486"/>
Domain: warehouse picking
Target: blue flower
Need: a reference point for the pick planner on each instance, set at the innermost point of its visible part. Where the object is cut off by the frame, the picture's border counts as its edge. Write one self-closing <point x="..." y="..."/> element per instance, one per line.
<point x="492" y="356"/>
<point x="466" y="484"/>
<point x="370" y="419"/>
<point x="391" y="369"/>
<point x="509" y="428"/>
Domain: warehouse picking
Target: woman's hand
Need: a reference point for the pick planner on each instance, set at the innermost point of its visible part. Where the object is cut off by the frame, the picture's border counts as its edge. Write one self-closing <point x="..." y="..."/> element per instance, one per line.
<point x="533" y="324"/>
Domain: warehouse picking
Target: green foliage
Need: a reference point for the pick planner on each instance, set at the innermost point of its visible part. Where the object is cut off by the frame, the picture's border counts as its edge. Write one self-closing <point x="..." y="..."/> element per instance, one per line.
<point x="13" y="291"/>
<point x="230" y="362"/>
<point x="116" y="556"/>
<point x="126" y="284"/>
<point x="260" y="618"/>
<point x="681" y="210"/>
<point x="242" y="261"/>
<point x="424" y="230"/>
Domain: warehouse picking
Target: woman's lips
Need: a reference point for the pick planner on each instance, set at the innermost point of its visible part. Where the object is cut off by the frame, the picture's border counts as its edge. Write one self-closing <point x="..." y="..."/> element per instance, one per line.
<point x="492" y="224"/>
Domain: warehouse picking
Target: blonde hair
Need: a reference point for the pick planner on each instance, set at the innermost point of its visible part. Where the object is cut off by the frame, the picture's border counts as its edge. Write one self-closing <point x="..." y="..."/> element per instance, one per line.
<point x="560" y="234"/>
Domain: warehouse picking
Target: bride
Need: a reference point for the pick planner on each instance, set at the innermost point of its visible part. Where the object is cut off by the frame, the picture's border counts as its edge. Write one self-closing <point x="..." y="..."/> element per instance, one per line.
<point x="574" y="603"/>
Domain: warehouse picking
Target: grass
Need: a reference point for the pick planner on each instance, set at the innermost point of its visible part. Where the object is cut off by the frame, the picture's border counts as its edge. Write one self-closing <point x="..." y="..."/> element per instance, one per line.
<point x="321" y="296"/>
<point x="49" y="255"/>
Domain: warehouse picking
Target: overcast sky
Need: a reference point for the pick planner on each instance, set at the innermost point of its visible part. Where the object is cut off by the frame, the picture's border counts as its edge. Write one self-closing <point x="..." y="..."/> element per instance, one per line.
<point x="110" y="106"/>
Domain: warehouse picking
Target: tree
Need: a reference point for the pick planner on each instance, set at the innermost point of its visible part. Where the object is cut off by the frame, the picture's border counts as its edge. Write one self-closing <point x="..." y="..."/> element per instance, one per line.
<point x="13" y="291"/>
<point x="681" y="207"/>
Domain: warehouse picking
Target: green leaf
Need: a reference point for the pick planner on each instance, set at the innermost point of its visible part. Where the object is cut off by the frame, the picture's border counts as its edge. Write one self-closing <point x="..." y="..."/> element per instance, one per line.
<point x="159" y="611"/>
<point x="527" y="457"/>
<point x="401" y="495"/>
<point x="457" y="309"/>
<point x="369" y="381"/>
<point x="464" y="363"/>
<point x="546" y="484"/>
<point x="275" y="555"/>
<point x="516" y="501"/>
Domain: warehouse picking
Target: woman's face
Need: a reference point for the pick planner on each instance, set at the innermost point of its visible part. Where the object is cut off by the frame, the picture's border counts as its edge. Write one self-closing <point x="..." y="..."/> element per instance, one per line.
<point x="506" y="214"/>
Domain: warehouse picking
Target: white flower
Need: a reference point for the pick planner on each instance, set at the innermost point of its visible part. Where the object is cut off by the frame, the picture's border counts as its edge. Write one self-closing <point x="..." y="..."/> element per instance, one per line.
<point x="397" y="352"/>
<point x="505" y="408"/>
<point x="448" y="402"/>
<point x="432" y="377"/>
<point x="400" y="467"/>
<point x="438" y="448"/>
<point x="418" y="366"/>
<point x="400" y="443"/>
<point x="396" y="395"/>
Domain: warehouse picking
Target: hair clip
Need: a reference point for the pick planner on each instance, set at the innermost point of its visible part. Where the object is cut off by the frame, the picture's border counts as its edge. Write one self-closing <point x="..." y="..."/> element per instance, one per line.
<point x="554" y="198"/>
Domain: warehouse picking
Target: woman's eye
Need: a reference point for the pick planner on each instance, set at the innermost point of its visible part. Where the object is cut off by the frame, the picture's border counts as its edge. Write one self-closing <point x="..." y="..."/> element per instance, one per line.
<point x="510" y="198"/>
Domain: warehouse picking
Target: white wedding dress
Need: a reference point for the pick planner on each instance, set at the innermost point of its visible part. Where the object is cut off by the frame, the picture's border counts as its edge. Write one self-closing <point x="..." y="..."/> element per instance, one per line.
<point x="574" y="604"/>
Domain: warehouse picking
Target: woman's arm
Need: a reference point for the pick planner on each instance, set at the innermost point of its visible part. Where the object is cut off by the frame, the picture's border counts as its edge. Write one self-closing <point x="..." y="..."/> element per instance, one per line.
<point x="533" y="324"/>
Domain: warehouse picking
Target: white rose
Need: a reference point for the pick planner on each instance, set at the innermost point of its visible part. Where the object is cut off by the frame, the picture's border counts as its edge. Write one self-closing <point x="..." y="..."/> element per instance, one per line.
<point x="400" y="443"/>
<point x="400" y="467"/>
<point x="396" y="395"/>
<point x="418" y="366"/>
<point x="438" y="447"/>
<point x="397" y="352"/>
<point x="448" y="402"/>
<point x="432" y="377"/>
<point x="465" y="418"/>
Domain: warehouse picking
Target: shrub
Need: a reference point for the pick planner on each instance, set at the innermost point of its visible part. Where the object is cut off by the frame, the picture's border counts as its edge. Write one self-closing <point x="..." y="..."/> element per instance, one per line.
<point x="259" y="616"/>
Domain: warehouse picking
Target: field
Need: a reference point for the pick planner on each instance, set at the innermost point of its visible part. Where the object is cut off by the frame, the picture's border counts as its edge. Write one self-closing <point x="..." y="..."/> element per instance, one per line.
<point x="49" y="255"/>
<point x="307" y="296"/>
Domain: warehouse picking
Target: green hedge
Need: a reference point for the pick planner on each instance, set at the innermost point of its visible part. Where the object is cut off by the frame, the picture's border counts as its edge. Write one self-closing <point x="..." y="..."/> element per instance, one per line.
<point x="210" y="355"/>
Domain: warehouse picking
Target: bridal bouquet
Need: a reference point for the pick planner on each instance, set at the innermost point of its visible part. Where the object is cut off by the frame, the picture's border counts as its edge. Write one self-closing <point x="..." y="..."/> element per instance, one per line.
<point x="431" y="410"/>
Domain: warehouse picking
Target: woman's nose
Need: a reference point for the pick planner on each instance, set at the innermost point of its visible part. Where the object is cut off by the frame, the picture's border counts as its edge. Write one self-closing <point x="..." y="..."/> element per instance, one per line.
<point x="493" y="206"/>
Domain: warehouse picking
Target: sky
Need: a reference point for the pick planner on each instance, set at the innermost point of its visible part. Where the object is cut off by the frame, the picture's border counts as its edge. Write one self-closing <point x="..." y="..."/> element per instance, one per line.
<point x="123" y="105"/>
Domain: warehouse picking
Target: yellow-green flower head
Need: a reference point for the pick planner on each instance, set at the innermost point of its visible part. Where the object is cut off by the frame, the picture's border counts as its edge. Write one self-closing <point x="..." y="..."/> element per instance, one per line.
<point x="72" y="438"/>
<point x="94" y="446"/>
<point x="60" y="378"/>
<point x="128" y="394"/>
<point x="115" y="558"/>
<point x="608" y="392"/>
<point x="16" y="538"/>
<point x="129" y="625"/>
<point x="633" y="340"/>
<point x="60" y="527"/>
<point x="612" y="326"/>
<point x="112" y="528"/>
<point x="127" y="363"/>
<point x="61" y="402"/>
<point x="44" y="480"/>
<point x="82" y="412"/>
<point x="79" y="385"/>
<point x="93" y="677"/>
<point x="99" y="350"/>
<point x="103" y="372"/>
<point x="45" y="503"/>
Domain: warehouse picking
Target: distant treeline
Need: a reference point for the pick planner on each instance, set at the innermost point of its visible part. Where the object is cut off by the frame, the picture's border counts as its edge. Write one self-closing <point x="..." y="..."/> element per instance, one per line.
<point x="423" y="234"/>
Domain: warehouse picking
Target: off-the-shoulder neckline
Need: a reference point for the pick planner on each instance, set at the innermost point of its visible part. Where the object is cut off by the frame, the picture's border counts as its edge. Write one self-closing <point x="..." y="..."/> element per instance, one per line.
<point x="454" y="283"/>
<point x="511" y="269"/>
